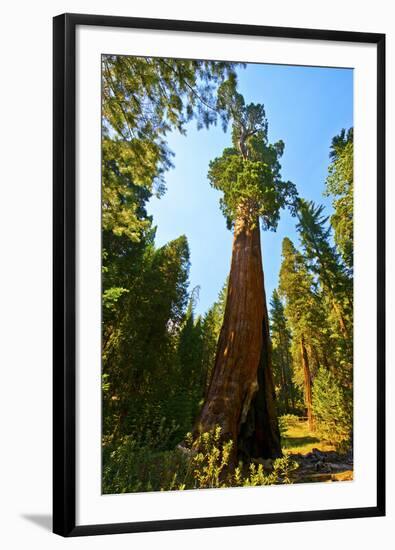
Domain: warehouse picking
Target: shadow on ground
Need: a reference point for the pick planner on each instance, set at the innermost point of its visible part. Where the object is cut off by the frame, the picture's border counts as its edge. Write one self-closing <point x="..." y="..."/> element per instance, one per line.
<point x="42" y="520"/>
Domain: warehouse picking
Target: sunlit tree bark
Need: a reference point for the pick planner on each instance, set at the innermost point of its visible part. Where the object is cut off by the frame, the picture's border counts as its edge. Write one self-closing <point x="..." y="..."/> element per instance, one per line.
<point x="241" y="398"/>
<point x="307" y="383"/>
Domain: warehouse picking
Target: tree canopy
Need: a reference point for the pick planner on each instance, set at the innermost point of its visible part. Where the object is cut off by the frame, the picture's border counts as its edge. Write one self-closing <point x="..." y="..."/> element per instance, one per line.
<point x="143" y="99"/>
<point x="248" y="174"/>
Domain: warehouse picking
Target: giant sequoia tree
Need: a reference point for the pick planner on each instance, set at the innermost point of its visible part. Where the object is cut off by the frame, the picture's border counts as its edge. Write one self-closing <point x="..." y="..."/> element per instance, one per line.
<point x="240" y="397"/>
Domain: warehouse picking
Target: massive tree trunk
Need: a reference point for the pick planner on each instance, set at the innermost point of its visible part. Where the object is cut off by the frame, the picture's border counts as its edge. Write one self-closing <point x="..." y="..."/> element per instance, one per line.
<point x="243" y="355"/>
<point x="259" y="434"/>
<point x="307" y="383"/>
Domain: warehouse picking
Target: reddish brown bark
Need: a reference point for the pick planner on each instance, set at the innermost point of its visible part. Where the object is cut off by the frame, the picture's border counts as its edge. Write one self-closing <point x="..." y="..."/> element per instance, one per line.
<point x="243" y="353"/>
<point x="342" y="323"/>
<point x="259" y="435"/>
<point x="307" y="383"/>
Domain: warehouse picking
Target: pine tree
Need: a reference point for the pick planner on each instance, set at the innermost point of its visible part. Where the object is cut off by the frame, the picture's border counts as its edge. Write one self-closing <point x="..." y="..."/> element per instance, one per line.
<point x="140" y="352"/>
<point x="282" y="357"/>
<point x="188" y="382"/>
<point x="340" y="185"/>
<point x="304" y="312"/>
<point x="325" y="262"/>
<point x="211" y="327"/>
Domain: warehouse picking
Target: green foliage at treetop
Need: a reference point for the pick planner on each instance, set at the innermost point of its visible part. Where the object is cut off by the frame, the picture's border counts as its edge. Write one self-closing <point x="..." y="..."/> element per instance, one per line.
<point x="248" y="174"/>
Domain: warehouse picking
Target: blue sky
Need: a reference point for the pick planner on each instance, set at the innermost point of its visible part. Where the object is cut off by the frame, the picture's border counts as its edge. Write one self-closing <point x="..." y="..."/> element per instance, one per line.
<point x="305" y="107"/>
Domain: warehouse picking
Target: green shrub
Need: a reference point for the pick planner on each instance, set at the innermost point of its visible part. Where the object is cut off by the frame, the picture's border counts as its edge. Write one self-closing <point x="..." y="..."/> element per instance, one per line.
<point x="332" y="409"/>
<point x="130" y="465"/>
<point x="281" y="472"/>
<point x="211" y="461"/>
<point x="211" y="466"/>
<point x="129" y="468"/>
<point x="142" y="460"/>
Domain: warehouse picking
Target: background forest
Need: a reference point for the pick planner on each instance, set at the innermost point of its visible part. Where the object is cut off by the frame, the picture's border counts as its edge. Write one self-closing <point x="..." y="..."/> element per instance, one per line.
<point x="161" y="372"/>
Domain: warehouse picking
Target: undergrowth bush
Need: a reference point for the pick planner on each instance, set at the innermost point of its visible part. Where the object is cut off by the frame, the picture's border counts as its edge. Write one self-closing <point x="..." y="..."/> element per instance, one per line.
<point x="131" y="465"/>
<point x="211" y="460"/>
<point x="142" y="460"/>
<point x="281" y="473"/>
<point x="130" y="468"/>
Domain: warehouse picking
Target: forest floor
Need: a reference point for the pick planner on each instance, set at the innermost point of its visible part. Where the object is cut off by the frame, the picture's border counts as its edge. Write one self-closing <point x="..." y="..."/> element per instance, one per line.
<point x="318" y="459"/>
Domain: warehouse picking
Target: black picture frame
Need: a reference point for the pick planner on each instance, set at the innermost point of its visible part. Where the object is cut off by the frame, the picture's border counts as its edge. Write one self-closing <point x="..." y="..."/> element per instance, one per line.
<point x="64" y="273"/>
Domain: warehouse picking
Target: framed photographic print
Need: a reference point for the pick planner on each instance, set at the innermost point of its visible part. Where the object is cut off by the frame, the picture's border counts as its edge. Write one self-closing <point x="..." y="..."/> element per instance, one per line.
<point x="218" y="278"/>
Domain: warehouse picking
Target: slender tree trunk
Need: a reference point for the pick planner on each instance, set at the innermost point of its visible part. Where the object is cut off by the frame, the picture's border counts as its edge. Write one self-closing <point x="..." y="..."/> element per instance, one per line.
<point x="285" y="387"/>
<point x="293" y="405"/>
<point x="291" y="384"/>
<point x="242" y="347"/>
<point x="307" y="382"/>
<point x="342" y="323"/>
<point x="284" y="376"/>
